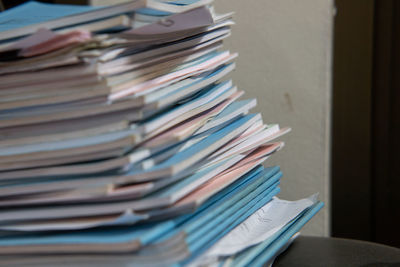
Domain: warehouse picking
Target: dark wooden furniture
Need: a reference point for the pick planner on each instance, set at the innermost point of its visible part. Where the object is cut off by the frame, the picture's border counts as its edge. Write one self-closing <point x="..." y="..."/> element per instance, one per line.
<point x="366" y="121"/>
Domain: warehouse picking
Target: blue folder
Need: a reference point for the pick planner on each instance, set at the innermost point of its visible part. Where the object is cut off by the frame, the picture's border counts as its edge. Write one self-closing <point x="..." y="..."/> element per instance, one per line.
<point x="267" y="250"/>
<point x="33" y="12"/>
<point x="146" y="233"/>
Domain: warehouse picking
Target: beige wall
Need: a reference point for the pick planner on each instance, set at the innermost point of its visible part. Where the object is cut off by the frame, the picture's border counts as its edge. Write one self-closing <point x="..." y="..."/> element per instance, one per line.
<point x="285" y="62"/>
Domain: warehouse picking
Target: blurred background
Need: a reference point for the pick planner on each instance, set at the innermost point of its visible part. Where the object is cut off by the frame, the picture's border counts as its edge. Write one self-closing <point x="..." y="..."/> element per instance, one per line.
<point x="331" y="71"/>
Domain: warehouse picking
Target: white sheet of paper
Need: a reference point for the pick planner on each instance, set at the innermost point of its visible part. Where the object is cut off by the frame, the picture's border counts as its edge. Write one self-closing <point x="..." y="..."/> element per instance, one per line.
<point x="260" y="226"/>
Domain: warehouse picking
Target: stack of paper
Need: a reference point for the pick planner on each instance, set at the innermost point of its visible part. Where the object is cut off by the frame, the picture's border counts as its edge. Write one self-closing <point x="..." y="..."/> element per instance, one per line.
<point x="126" y="145"/>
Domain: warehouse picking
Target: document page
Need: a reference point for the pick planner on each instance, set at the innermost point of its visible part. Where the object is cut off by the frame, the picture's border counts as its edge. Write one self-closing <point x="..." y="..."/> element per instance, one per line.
<point x="260" y="226"/>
